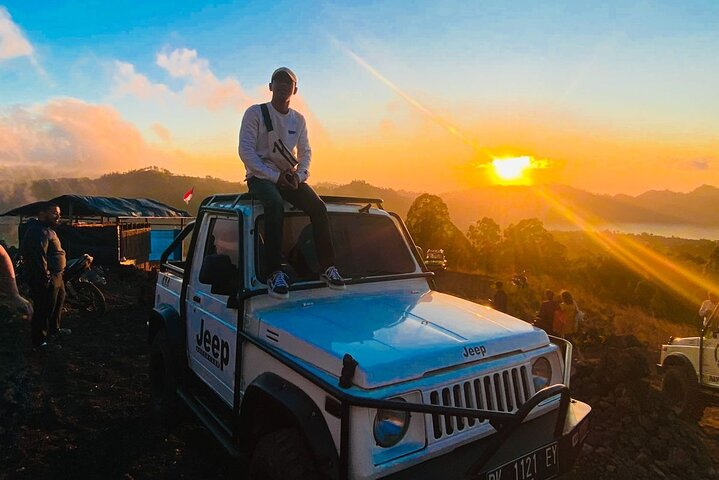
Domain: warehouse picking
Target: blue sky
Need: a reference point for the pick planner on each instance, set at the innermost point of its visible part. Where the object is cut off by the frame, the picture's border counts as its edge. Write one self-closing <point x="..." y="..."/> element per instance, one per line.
<point x="584" y="84"/>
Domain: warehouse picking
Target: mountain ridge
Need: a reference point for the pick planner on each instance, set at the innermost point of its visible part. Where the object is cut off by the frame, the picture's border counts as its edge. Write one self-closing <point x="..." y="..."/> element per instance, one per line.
<point x="556" y="205"/>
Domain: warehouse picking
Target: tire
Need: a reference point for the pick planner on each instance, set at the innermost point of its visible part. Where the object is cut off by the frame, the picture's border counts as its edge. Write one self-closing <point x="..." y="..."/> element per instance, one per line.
<point x="681" y="391"/>
<point x="163" y="379"/>
<point x="90" y="300"/>
<point x="282" y="454"/>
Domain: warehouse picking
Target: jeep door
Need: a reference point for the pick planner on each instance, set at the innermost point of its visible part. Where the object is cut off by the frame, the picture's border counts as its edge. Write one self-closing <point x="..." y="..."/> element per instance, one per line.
<point x="211" y="326"/>
<point x="710" y="361"/>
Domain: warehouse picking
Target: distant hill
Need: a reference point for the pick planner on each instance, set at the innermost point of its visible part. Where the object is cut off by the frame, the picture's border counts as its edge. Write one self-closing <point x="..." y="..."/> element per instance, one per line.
<point x="698" y="206"/>
<point x="506" y="204"/>
<point x="153" y="183"/>
<point x="168" y="188"/>
<point x="551" y="204"/>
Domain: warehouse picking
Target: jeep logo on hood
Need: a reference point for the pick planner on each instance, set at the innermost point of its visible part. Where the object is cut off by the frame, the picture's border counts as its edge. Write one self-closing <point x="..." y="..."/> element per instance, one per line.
<point x="479" y="350"/>
<point x="212" y="347"/>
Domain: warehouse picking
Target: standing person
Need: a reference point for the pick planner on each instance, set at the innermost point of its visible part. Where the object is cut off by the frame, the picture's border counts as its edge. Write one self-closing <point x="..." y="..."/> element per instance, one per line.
<point x="8" y="287"/>
<point x="44" y="263"/>
<point x="546" y="313"/>
<point x="499" y="301"/>
<point x="565" y="324"/>
<point x="275" y="149"/>
<point x="707" y="307"/>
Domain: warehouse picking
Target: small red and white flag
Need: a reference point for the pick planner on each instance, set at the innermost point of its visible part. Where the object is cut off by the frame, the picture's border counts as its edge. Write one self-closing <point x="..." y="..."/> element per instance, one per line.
<point x="188" y="196"/>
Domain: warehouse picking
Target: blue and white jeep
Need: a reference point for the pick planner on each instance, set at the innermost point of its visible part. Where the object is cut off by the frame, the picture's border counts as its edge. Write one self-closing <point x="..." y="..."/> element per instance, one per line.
<point x="388" y="378"/>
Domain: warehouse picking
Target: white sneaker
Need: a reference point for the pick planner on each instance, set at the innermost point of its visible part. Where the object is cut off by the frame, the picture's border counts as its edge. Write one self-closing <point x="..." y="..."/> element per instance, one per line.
<point x="278" y="285"/>
<point x="333" y="279"/>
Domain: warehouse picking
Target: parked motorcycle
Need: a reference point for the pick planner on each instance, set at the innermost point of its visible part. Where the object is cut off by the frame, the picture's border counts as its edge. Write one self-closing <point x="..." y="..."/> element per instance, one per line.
<point x="81" y="291"/>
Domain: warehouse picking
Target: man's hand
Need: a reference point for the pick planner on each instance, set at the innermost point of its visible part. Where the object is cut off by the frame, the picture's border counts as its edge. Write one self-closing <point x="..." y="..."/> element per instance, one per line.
<point x="288" y="181"/>
<point x="23" y="306"/>
<point x="19" y="304"/>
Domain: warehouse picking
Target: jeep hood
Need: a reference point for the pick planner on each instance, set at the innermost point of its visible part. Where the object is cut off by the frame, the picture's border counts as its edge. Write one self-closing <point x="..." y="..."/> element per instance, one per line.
<point x="394" y="336"/>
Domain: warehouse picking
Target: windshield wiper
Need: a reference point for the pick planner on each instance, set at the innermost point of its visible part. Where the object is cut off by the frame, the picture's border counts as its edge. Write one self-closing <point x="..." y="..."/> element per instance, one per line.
<point x="374" y="273"/>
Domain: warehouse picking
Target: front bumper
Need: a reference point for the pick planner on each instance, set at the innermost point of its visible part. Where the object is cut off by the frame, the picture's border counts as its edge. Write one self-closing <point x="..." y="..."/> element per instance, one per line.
<point x="461" y="463"/>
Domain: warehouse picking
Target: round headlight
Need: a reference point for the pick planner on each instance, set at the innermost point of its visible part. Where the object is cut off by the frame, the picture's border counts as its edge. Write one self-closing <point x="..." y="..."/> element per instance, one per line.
<point x="390" y="426"/>
<point x="541" y="373"/>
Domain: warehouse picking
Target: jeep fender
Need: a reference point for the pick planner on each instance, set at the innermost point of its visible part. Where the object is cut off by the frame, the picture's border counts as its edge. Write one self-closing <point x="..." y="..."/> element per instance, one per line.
<point x="269" y="392"/>
<point x="165" y="316"/>
<point x="678" y="359"/>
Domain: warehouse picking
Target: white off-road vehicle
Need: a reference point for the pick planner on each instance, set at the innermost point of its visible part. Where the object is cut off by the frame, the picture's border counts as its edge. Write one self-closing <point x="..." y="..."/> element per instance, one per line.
<point x="691" y="371"/>
<point x="387" y="378"/>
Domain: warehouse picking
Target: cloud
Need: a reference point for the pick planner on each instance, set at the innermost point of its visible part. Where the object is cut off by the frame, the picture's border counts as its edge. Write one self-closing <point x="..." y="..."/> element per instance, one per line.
<point x="73" y="138"/>
<point x="128" y="82"/>
<point x="202" y="87"/>
<point x="13" y="43"/>
<point x="699" y="164"/>
<point x="162" y="133"/>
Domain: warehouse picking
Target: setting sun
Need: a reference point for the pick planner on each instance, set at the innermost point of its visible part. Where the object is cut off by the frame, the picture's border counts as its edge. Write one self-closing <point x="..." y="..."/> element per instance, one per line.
<point x="510" y="169"/>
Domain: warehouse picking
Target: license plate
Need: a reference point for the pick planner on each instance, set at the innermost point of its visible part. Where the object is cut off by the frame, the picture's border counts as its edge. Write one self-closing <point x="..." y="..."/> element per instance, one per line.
<point x="540" y="464"/>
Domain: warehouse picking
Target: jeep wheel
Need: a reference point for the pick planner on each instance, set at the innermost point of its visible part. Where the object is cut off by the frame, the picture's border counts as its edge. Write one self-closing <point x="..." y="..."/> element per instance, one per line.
<point x="282" y="454"/>
<point x="681" y="390"/>
<point x="163" y="381"/>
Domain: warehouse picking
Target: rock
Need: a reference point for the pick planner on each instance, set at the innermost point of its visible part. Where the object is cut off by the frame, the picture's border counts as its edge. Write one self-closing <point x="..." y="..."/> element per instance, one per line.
<point x="647" y="424"/>
<point x="643" y="459"/>
<point x="658" y="471"/>
<point x="598" y="438"/>
<point x="624" y="403"/>
<point x="678" y="458"/>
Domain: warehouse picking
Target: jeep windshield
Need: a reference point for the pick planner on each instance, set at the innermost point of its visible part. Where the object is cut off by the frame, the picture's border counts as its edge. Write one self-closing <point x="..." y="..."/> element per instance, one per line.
<point x="365" y="246"/>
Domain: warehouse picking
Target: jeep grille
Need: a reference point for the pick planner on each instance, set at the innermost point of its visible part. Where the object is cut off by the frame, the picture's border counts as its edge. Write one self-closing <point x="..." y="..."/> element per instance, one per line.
<point x="503" y="391"/>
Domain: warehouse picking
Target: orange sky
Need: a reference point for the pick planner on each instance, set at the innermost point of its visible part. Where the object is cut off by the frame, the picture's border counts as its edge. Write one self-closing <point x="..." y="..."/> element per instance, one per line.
<point x="616" y="98"/>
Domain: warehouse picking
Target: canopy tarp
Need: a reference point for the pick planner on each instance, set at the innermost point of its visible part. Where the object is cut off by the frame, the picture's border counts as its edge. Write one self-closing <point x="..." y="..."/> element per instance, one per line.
<point x="91" y="206"/>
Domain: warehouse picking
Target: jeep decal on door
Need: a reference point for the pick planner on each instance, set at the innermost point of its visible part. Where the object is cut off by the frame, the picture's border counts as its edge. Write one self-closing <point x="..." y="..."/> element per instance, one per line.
<point x="213" y="347"/>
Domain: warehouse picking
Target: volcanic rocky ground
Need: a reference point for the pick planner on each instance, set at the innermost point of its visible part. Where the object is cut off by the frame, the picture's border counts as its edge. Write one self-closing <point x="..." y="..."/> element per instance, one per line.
<point x="82" y="412"/>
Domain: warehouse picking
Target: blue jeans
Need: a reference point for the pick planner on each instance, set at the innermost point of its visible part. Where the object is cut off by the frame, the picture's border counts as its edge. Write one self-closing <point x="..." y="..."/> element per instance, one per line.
<point x="304" y="198"/>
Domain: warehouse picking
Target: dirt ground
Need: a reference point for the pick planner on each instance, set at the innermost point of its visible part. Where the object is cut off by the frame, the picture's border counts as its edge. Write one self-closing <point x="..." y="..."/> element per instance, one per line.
<point x="83" y="412"/>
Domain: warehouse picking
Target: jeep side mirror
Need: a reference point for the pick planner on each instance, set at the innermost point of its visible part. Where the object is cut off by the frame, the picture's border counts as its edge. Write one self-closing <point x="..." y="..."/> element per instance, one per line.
<point x="218" y="271"/>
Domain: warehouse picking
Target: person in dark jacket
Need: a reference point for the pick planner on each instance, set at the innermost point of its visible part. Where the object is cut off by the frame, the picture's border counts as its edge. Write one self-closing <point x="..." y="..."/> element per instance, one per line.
<point x="499" y="302"/>
<point x="547" y="309"/>
<point x="44" y="263"/>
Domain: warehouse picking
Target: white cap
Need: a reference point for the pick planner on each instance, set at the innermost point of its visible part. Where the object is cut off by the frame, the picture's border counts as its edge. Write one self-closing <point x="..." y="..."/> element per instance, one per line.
<point x="285" y="70"/>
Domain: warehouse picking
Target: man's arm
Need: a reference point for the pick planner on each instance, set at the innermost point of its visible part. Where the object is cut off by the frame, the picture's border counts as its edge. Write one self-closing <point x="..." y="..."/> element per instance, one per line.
<point x="8" y="287"/>
<point x="304" y="153"/>
<point x="249" y="131"/>
<point x="35" y="254"/>
<point x="705" y="307"/>
<point x="7" y="274"/>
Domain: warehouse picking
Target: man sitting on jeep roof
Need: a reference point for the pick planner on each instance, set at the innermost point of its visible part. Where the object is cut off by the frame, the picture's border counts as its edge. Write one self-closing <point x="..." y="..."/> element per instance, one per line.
<point x="269" y="137"/>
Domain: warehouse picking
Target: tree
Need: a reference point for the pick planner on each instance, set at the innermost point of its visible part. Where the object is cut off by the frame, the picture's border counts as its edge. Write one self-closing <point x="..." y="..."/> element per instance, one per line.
<point x="712" y="265"/>
<point x="484" y="236"/>
<point x="429" y="223"/>
<point x="528" y="245"/>
<point x="644" y="292"/>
